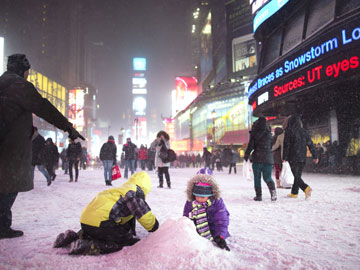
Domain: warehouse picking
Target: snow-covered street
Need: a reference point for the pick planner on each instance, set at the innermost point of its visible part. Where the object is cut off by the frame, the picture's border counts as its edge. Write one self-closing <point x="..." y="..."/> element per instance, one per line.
<point x="322" y="233"/>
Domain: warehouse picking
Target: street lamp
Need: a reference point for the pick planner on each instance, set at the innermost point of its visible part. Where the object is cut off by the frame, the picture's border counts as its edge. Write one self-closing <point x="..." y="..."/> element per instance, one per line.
<point x="213" y="126"/>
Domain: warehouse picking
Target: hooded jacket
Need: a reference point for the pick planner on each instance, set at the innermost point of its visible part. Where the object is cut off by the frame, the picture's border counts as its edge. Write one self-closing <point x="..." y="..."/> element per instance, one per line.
<point x="20" y="101"/>
<point x="217" y="214"/>
<point x="296" y="141"/>
<point x="50" y="154"/>
<point x="108" y="151"/>
<point x="122" y="204"/>
<point x="158" y="146"/>
<point x="260" y="143"/>
<point x="38" y="143"/>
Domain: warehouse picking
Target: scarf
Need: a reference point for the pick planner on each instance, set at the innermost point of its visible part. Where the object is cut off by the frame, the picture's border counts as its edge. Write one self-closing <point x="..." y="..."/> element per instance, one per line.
<point x="198" y="214"/>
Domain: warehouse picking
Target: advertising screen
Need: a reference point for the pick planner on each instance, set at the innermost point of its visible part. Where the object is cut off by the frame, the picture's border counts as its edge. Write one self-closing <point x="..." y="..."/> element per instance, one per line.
<point x="139" y="82"/>
<point x="76" y="108"/>
<point x="139" y="63"/>
<point x="257" y="4"/>
<point x="139" y="91"/>
<point x="186" y="91"/>
<point x="139" y="105"/>
<point x="267" y="11"/>
<point x="244" y="53"/>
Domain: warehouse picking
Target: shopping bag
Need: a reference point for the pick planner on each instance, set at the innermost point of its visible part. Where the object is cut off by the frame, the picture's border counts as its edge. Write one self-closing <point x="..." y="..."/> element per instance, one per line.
<point x="116" y="174"/>
<point x="247" y="170"/>
<point x="286" y="175"/>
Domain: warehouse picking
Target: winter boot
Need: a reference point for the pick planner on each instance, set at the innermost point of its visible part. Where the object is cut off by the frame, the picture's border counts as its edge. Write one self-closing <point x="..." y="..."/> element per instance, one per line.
<point x="64" y="239"/>
<point x="292" y="195"/>
<point x="10" y="233"/>
<point x="80" y="247"/>
<point x="272" y="190"/>
<point x="308" y="192"/>
<point x="258" y="194"/>
<point x="70" y="180"/>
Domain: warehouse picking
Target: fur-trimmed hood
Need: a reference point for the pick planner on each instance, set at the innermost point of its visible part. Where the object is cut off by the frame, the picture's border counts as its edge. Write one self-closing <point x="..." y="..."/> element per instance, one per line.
<point x="203" y="178"/>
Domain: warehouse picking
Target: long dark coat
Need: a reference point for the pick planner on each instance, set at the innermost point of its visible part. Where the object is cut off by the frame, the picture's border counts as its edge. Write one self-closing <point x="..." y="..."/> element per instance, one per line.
<point x="21" y="100"/>
<point x="260" y="142"/>
<point x="38" y="144"/>
<point x="296" y="141"/>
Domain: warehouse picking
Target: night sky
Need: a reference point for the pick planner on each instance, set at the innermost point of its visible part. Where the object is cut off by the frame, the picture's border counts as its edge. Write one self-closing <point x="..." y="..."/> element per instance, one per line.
<point x="158" y="30"/>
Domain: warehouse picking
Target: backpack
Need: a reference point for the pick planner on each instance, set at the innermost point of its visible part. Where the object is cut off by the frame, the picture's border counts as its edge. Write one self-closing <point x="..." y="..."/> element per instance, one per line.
<point x="167" y="155"/>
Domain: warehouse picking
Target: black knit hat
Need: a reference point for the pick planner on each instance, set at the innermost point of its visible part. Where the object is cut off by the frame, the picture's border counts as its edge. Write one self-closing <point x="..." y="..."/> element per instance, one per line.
<point x="18" y="64"/>
<point x="111" y="138"/>
<point x="202" y="190"/>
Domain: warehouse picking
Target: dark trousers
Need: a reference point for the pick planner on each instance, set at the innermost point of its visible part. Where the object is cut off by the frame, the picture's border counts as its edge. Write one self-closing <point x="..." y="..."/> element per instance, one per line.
<point x="75" y="164"/>
<point x="110" y="237"/>
<point x="297" y="168"/>
<point x="161" y="171"/>
<point x="6" y="202"/>
<point x="51" y="169"/>
<point x="232" y="165"/>
<point x="265" y="170"/>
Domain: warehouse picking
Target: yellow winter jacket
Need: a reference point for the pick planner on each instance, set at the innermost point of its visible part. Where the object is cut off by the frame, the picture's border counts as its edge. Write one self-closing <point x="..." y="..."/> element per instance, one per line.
<point x="122" y="204"/>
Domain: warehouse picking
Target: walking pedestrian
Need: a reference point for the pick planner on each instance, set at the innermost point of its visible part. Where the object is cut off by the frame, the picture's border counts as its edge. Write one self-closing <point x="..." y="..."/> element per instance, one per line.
<point x="38" y="143"/>
<point x="130" y="150"/>
<point x="296" y="141"/>
<point x="50" y="157"/>
<point x="260" y="148"/>
<point x="73" y="154"/>
<point x="162" y="144"/>
<point x="108" y="158"/>
<point x="19" y="100"/>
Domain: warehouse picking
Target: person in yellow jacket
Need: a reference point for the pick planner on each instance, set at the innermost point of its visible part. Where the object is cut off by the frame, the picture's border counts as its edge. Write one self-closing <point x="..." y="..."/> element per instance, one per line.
<point x="108" y="221"/>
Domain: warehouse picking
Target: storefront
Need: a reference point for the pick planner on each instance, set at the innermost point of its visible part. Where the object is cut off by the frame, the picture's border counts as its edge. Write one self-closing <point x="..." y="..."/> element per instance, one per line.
<point x="309" y="65"/>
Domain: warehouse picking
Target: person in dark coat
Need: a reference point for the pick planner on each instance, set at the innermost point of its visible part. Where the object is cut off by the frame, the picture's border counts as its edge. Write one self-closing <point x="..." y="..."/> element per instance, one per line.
<point x="262" y="158"/>
<point x="50" y="157"/>
<point x="19" y="100"/>
<point x="206" y="157"/>
<point x="38" y="143"/>
<point x="83" y="158"/>
<point x="130" y="150"/>
<point x="296" y="141"/>
<point x="64" y="161"/>
<point x="73" y="154"/>
<point x="108" y="158"/>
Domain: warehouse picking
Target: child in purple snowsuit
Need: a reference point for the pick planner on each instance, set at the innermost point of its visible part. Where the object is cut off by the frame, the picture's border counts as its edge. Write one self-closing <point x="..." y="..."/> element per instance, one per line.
<point x="207" y="209"/>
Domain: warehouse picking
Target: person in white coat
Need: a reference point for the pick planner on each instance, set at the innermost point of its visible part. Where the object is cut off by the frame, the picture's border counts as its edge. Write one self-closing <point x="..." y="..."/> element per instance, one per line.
<point x="162" y="144"/>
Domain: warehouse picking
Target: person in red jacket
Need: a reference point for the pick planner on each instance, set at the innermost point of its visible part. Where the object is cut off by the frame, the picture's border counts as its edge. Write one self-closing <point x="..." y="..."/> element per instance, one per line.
<point x="142" y="156"/>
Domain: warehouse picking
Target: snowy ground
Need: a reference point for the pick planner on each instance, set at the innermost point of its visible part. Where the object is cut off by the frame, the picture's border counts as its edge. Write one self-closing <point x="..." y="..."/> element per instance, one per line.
<point x="323" y="233"/>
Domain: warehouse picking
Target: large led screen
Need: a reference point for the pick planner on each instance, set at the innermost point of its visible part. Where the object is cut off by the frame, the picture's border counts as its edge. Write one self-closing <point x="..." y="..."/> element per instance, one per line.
<point x="76" y="108"/>
<point x="186" y="91"/>
<point x="139" y="63"/>
<point x="139" y="105"/>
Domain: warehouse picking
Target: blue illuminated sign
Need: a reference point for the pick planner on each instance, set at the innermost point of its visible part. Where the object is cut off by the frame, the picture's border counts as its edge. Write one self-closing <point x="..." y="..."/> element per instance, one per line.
<point x="139" y="63"/>
<point x="267" y="11"/>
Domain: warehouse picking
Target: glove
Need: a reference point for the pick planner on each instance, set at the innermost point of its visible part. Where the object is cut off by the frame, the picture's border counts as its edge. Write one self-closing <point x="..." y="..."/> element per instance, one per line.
<point x="73" y="134"/>
<point x="221" y="243"/>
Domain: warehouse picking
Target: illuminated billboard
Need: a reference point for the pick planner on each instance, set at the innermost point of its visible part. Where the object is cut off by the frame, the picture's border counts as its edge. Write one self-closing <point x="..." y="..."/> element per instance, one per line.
<point x="1" y="55"/>
<point x="139" y="105"/>
<point x="206" y="61"/>
<point x="244" y="53"/>
<point x="186" y="91"/>
<point x="76" y="108"/>
<point x="139" y="82"/>
<point x="257" y="4"/>
<point x="139" y="63"/>
<point x="139" y="91"/>
<point x="267" y="11"/>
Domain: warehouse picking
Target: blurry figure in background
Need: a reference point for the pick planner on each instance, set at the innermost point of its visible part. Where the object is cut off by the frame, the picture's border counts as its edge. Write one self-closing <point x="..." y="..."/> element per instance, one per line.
<point x="193" y="160"/>
<point x="122" y="160"/>
<point x="50" y="157"/>
<point x="218" y="161"/>
<point x="83" y="158"/>
<point x="142" y="155"/>
<point x="320" y="154"/>
<point x="234" y="160"/>
<point x="38" y="143"/>
<point x="108" y="158"/>
<point x="64" y="161"/>
<point x="162" y="143"/>
<point x="198" y="160"/>
<point x="108" y="222"/>
<point x="227" y="156"/>
<point x="277" y="149"/>
<point x="151" y="158"/>
<point x="73" y="154"/>
<point x="207" y="209"/>
<point x="206" y="158"/>
<point x="130" y="150"/>
<point x="296" y="141"/>
<point x="262" y="158"/>
<point x="136" y="158"/>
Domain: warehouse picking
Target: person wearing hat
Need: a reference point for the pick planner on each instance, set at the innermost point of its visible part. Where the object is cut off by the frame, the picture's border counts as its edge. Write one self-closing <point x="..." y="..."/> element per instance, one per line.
<point x="19" y="99"/>
<point x="108" y="158"/>
<point x="130" y="151"/>
<point x="108" y="222"/>
<point x="207" y="209"/>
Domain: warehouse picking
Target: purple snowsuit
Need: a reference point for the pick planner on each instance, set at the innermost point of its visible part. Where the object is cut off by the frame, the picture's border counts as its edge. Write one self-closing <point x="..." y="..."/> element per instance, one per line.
<point x="217" y="215"/>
